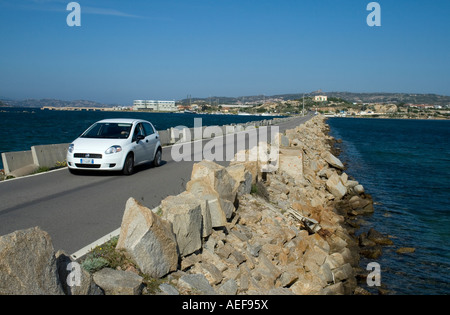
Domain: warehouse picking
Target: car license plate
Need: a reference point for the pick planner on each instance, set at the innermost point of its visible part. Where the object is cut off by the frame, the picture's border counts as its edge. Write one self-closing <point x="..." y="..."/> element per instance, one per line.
<point x="87" y="161"/>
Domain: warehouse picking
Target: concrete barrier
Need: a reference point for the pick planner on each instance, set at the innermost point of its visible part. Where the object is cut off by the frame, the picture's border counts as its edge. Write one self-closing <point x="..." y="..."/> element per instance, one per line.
<point x="25" y="162"/>
<point x="49" y="155"/>
<point x="164" y="137"/>
<point x="13" y="161"/>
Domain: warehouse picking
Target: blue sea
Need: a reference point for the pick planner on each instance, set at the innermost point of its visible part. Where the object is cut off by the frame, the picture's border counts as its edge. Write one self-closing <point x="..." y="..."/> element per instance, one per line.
<point x="405" y="166"/>
<point x="22" y="128"/>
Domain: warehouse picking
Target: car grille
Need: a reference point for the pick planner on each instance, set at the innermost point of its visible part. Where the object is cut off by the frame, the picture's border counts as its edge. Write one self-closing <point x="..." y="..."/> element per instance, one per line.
<point x="87" y="155"/>
<point x="88" y="165"/>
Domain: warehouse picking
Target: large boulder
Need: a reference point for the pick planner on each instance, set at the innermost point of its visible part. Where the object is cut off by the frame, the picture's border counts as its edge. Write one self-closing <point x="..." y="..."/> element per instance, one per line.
<point x="148" y="239"/>
<point x="28" y="264"/>
<point x="74" y="279"/>
<point x="291" y="162"/>
<point x="242" y="179"/>
<point x="335" y="186"/>
<point x="332" y="160"/>
<point x="217" y="176"/>
<point x="214" y="215"/>
<point x="185" y="213"/>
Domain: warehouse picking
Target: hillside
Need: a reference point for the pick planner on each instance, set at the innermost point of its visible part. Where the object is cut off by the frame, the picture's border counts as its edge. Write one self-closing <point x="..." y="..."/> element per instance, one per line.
<point x="396" y="98"/>
<point x="51" y="102"/>
<point x="347" y="96"/>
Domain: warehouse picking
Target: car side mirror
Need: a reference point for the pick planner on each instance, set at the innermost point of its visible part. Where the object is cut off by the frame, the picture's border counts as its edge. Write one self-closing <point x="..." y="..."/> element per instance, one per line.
<point x="140" y="137"/>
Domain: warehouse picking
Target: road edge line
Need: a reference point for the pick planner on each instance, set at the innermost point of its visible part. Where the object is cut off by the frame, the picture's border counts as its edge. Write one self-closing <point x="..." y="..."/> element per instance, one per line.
<point x="82" y="252"/>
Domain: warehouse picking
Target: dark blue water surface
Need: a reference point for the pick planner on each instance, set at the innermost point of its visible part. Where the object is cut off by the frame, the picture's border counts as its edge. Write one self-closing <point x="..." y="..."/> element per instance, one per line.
<point x="405" y="166"/>
<point x="22" y="128"/>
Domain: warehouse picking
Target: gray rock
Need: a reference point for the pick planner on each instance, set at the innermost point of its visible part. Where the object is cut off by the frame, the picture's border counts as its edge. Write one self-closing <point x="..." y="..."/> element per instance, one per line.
<point x="185" y="213"/>
<point x="230" y="287"/>
<point x="149" y="240"/>
<point x="242" y="178"/>
<point x="117" y="282"/>
<point x="28" y="264"/>
<point x="74" y="279"/>
<point x="196" y="284"/>
<point x="168" y="289"/>
<point x="203" y="190"/>
<point x="254" y="249"/>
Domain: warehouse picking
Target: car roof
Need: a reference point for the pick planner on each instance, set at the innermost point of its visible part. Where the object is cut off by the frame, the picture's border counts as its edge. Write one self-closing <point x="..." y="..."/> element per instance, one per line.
<point x="122" y="120"/>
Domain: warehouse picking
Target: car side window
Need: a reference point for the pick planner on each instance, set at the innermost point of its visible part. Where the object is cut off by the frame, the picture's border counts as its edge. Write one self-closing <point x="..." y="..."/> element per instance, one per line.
<point x="138" y="131"/>
<point x="148" y="129"/>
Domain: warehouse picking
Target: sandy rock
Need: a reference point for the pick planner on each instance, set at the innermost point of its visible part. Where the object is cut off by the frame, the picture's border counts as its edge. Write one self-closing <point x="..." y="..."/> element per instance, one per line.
<point x="242" y="158"/>
<point x="406" y="250"/>
<point x="379" y="238"/>
<point x="334" y="289"/>
<point x="372" y="252"/>
<point x="359" y="189"/>
<point x="332" y="160"/>
<point x="218" y="178"/>
<point x="335" y="186"/>
<point x="308" y="284"/>
<point x="210" y="271"/>
<point x="291" y="162"/>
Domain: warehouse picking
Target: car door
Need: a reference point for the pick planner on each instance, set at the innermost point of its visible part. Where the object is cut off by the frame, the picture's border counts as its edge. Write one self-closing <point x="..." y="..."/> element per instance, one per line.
<point x="152" y="139"/>
<point x="139" y="144"/>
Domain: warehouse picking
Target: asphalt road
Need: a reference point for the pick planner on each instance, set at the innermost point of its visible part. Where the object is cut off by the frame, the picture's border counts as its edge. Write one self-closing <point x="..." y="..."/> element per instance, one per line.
<point x="76" y="210"/>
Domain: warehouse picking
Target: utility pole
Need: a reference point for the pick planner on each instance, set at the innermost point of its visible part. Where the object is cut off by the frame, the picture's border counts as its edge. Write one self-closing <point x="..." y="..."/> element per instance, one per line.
<point x="303" y="111"/>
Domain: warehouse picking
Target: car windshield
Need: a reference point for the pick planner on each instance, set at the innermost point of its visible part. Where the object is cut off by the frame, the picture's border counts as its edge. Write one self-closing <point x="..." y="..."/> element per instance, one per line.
<point x="108" y="131"/>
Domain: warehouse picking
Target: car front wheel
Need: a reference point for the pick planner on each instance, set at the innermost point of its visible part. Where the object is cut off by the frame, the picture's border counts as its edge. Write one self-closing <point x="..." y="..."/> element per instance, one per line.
<point x="128" y="167"/>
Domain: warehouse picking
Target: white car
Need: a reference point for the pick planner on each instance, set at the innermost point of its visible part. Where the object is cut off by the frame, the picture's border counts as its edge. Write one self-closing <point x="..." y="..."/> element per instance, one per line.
<point x="115" y="145"/>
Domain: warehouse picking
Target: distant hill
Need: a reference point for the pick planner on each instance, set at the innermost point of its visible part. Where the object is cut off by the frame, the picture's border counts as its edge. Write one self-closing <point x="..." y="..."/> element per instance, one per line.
<point x="395" y="98"/>
<point x="391" y="98"/>
<point x="52" y="102"/>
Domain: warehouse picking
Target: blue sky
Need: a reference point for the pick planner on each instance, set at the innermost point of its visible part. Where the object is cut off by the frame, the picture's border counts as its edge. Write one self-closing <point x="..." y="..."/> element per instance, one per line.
<point x="167" y="49"/>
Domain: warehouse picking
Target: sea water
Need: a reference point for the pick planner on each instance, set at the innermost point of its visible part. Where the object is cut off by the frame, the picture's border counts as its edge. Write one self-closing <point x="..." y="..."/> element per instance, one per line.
<point x="405" y="166"/>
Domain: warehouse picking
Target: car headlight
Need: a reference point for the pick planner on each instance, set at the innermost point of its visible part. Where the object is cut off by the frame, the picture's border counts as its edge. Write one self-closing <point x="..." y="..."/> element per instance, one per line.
<point x="114" y="149"/>
<point x="71" y="148"/>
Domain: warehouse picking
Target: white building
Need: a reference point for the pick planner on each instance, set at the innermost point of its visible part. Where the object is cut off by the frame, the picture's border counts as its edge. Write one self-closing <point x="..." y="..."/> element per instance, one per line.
<point x="320" y="98"/>
<point x="160" y="106"/>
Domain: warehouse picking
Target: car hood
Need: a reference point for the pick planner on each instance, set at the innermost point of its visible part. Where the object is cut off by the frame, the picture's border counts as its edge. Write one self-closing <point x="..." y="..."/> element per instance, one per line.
<point x="90" y="145"/>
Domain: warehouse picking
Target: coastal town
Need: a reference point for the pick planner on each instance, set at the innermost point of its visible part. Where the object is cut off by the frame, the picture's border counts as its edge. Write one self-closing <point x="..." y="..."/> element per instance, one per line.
<point x="353" y="105"/>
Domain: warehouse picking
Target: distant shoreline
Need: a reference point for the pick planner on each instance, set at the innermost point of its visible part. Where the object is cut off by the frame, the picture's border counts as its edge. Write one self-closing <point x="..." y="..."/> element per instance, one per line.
<point x="384" y="117"/>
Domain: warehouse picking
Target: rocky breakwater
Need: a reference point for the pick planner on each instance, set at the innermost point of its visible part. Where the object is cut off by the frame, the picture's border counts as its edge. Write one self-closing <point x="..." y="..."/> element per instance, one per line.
<point x="239" y="230"/>
<point x="235" y="230"/>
